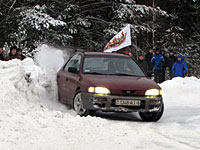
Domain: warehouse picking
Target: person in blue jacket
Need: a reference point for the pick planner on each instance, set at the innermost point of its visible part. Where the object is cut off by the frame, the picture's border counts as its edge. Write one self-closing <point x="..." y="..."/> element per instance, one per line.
<point x="179" y="68"/>
<point x="158" y="62"/>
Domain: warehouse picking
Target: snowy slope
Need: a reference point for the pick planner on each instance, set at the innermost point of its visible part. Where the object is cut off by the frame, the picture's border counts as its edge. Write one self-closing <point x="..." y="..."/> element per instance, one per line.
<point x="31" y="118"/>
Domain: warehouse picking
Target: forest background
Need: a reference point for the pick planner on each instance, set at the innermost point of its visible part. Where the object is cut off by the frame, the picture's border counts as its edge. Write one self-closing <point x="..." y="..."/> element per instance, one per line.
<point x="89" y="24"/>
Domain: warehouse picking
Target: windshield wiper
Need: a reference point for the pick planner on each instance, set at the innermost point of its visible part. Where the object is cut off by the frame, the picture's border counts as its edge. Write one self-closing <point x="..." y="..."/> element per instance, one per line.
<point x="118" y="74"/>
<point x="97" y="73"/>
<point x="123" y="74"/>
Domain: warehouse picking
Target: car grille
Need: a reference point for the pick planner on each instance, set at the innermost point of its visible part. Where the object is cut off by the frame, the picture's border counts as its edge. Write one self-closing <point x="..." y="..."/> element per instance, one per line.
<point x="128" y="92"/>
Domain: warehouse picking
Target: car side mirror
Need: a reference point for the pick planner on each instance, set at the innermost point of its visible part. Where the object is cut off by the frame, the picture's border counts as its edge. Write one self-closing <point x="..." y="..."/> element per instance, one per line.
<point x="72" y="70"/>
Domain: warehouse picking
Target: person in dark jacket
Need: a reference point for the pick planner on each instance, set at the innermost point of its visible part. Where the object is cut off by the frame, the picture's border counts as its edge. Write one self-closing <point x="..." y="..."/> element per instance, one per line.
<point x="170" y="62"/>
<point x="1" y="54"/>
<point x="179" y="68"/>
<point x="19" y="52"/>
<point x="13" y="54"/>
<point x="148" y="58"/>
<point x="142" y="63"/>
<point x="158" y="62"/>
<point x="164" y="64"/>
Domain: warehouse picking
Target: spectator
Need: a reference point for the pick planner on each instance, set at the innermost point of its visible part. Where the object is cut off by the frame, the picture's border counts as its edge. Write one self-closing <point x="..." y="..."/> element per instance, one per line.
<point x="148" y="58"/>
<point x="179" y="68"/>
<point x="1" y="53"/>
<point x="164" y="64"/>
<point x="142" y="63"/>
<point x="19" y="52"/>
<point x="158" y="61"/>
<point x="13" y="54"/>
<point x="126" y="52"/>
<point x="171" y="61"/>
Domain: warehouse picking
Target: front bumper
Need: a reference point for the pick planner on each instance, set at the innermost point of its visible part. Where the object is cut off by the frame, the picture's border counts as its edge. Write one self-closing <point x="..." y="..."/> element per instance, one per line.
<point x="107" y="103"/>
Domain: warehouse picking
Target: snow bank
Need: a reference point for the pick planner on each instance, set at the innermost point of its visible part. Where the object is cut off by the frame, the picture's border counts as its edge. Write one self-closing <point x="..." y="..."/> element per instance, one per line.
<point x="28" y="102"/>
<point x="31" y="118"/>
<point x="182" y="114"/>
<point x="184" y="91"/>
<point x="22" y="82"/>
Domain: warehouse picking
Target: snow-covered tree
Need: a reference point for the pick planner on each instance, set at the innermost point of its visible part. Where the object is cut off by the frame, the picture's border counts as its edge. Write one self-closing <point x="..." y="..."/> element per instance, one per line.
<point x="144" y="21"/>
<point x="42" y="27"/>
<point x="90" y="24"/>
<point x="172" y="39"/>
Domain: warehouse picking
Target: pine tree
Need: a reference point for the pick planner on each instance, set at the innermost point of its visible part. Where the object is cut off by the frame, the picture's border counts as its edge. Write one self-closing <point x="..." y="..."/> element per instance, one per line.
<point x="192" y="49"/>
<point x="141" y="19"/>
<point x="90" y="24"/>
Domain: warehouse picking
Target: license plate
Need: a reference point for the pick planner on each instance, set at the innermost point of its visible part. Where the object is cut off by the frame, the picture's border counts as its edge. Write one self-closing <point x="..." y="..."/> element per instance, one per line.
<point x="128" y="102"/>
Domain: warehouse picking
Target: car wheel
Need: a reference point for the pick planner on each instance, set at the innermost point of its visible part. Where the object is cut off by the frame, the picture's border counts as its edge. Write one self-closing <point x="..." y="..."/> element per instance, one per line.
<point x="152" y="116"/>
<point x="78" y="105"/>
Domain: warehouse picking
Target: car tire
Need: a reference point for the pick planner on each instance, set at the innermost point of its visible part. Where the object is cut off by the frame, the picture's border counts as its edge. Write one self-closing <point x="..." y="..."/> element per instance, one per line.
<point x="78" y="106"/>
<point x="152" y="116"/>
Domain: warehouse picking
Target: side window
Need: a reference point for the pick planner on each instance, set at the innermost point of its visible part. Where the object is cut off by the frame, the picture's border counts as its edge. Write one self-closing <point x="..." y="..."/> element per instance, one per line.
<point x="74" y="62"/>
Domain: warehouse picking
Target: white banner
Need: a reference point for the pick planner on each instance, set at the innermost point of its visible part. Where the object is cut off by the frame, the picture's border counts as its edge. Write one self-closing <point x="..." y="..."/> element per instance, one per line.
<point x="119" y="41"/>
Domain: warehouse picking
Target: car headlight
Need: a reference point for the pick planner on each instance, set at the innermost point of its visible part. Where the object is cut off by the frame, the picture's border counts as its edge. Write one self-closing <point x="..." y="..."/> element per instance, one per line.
<point x="99" y="90"/>
<point x="153" y="92"/>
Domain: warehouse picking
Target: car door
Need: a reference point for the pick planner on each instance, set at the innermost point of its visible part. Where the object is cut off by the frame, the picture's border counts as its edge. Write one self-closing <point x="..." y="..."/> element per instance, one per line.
<point x="62" y="86"/>
<point x="68" y="81"/>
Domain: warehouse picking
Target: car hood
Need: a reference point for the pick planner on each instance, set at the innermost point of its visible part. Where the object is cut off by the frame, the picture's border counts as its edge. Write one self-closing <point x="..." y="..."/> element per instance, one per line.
<point x="120" y="82"/>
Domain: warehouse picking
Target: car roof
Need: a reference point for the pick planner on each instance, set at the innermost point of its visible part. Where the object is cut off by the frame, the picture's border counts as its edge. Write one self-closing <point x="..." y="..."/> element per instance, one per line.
<point x="104" y="54"/>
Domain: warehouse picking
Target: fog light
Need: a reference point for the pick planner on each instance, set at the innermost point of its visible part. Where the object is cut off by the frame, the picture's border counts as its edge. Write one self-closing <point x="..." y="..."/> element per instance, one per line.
<point x="154" y="101"/>
<point x="101" y="99"/>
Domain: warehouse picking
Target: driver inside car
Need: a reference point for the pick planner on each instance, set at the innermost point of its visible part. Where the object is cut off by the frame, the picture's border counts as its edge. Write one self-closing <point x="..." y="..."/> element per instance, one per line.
<point x="121" y="67"/>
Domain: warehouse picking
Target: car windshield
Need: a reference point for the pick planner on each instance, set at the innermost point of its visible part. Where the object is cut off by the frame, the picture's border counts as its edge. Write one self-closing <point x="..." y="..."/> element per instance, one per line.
<point x="111" y="65"/>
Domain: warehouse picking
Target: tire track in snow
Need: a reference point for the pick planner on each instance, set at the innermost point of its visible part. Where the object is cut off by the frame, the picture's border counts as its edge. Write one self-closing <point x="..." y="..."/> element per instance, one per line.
<point x="183" y="144"/>
<point x="186" y="144"/>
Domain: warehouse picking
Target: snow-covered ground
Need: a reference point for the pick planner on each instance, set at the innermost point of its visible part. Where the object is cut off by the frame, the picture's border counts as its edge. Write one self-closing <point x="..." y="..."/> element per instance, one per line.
<point x="31" y="118"/>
